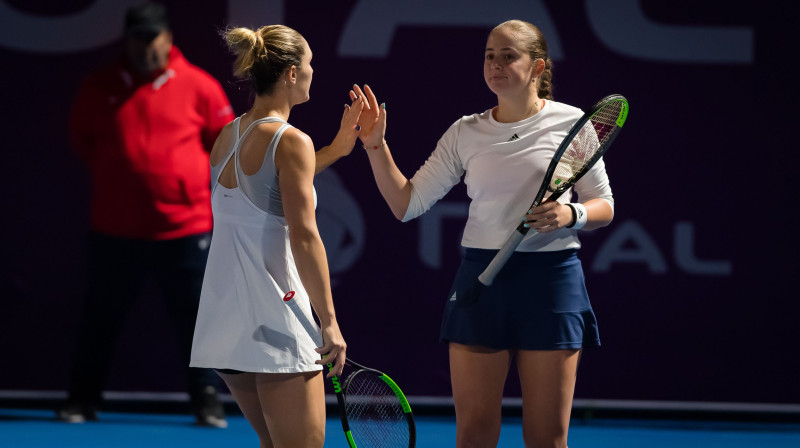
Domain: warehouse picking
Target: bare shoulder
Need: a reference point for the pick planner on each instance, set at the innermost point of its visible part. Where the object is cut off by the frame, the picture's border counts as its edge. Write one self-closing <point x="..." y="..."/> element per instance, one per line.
<point x="292" y="137"/>
<point x="227" y="130"/>
<point x="296" y="139"/>
<point x="296" y="151"/>
<point x="222" y="144"/>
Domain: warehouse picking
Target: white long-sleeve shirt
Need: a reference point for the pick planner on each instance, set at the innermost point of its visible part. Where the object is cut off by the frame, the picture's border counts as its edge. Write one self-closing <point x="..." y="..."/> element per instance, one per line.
<point x="504" y="165"/>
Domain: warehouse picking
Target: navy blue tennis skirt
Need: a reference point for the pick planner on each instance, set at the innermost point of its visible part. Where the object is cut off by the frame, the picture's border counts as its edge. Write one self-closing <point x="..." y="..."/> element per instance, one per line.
<point x="538" y="301"/>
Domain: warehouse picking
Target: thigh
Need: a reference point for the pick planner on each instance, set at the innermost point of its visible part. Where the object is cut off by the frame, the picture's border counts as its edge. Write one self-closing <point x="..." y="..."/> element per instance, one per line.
<point x="478" y="376"/>
<point x="548" y="384"/>
<point x="244" y="391"/>
<point x="293" y="405"/>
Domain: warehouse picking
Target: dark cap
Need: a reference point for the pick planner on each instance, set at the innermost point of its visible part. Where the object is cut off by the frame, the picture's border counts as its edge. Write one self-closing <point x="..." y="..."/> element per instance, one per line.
<point x="148" y="19"/>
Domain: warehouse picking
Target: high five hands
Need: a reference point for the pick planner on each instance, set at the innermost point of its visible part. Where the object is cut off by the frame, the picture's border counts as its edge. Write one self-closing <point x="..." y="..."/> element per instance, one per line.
<point x="349" y="129"/>
<point x="372" y="119"/>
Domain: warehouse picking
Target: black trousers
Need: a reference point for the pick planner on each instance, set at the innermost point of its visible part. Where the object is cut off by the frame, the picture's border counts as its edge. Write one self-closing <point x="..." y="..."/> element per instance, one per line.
<point x="118" y="268"/>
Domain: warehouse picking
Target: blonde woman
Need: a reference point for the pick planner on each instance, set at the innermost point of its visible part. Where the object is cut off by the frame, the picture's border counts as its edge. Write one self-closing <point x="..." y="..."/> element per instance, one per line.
<point x="266" y="243"/>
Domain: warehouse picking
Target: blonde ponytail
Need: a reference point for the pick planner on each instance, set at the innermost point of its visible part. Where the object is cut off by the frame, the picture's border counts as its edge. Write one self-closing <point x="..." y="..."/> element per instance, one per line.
<point x="264" y="54"/>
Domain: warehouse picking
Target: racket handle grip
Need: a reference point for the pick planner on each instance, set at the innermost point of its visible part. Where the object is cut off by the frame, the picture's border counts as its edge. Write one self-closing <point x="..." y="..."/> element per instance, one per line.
<point x="499" y="260"/>
<point x="310" y="327"/>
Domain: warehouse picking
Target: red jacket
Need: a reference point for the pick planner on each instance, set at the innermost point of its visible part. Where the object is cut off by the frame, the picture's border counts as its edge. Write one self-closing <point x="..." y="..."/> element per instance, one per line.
<point x="145" y="141"/>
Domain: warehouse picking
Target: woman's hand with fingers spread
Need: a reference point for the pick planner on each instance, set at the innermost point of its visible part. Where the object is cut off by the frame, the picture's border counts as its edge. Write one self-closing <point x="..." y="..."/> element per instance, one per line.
<point x="372" y="119"/>
<point x="342" y="144"/>
<point x="349" y="128"/>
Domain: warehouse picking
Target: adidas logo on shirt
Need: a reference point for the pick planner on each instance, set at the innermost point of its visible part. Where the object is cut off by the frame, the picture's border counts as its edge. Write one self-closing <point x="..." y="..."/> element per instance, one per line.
<point x="513" y="138"/>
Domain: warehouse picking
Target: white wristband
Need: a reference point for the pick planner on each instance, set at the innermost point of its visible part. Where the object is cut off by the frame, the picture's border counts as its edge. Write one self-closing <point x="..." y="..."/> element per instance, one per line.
<point x="580" y="215"/>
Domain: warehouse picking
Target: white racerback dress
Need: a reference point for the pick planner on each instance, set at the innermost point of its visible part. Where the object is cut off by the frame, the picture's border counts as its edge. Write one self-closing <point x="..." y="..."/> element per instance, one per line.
<point x="242" y="322"/>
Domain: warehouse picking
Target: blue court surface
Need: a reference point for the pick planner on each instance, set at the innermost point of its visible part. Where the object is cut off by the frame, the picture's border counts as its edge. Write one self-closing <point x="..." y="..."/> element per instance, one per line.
<point x="25" y="428"/>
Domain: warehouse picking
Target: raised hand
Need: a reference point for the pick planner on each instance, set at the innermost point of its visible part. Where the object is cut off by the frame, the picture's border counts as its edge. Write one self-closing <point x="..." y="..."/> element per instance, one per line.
<point x="372" y="119"/>
<point x="342" y="144"/>
<point x="348" y="128"/>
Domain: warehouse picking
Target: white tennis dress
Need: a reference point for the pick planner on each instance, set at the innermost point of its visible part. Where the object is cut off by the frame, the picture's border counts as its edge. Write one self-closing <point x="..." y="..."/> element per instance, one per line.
<point x="242" y="322"/>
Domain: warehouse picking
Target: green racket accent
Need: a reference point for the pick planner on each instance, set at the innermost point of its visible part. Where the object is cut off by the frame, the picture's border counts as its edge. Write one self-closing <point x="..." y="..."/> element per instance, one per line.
<point x="350" y="440"/>
<point x="398" y="392"/>
<point x="334" y="379"/>
<point x="623" y="114"/>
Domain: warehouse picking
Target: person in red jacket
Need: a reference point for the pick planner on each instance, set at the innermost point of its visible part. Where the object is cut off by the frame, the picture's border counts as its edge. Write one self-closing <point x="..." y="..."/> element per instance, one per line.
<point x="144" y="126"/>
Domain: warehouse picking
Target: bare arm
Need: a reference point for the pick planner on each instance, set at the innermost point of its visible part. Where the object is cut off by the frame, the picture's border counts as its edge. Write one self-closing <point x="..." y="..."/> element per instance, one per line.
<point x="295" y="161"/>
<point x="393" y="185"/>
<point x="221" y="144"/>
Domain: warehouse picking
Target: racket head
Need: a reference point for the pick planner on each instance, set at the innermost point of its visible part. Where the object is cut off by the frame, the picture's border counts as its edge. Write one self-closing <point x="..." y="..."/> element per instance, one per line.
<point x="376" y="410"/>
<point x="587" y="141"/>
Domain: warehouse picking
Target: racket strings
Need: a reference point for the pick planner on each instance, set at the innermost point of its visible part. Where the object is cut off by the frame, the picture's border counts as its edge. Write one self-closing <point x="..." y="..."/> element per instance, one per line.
<point x="374" y="413"/>
<point x="593" y="135"/>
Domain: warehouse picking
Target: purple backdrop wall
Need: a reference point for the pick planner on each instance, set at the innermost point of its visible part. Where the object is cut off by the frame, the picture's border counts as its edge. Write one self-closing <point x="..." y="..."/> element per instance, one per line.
<point x="692" y="283"/>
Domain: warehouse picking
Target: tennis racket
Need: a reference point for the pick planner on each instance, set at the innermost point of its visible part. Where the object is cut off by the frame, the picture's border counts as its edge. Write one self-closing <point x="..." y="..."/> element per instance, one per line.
<point x="373" y="409"/>
<point x="587" y="141"/>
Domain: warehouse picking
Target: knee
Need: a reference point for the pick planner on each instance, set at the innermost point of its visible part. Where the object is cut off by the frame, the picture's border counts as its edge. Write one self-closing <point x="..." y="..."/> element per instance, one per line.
<point x="541" y="440"/>
<point x="477" y="436"/>
<point x="311" y="437"/>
